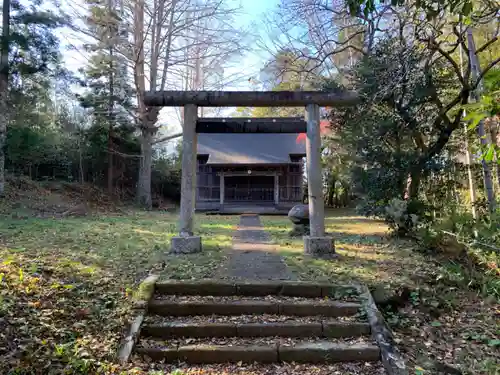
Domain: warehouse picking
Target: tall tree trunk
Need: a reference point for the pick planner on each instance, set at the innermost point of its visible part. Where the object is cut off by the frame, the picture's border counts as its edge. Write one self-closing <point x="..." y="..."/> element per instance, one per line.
<point x="111" y="99"/>
<point x="414" y="180"/>
<point x="331" y="191"/>
<point x="345" y="195"/>
<point x="4" y="89"/>
<point x="144" y="184"/>
<point x="475" y="70"/>
<point x="487" y="175"/>
<point x="498" y="158"/>
<point x="149" y="115"/>
<point x="402" y="176"/>
<point x="144" y="178"/>
<point x="80" y="163"/>
<point x="470" y="177"/>
<point x="495" y="139"/>
<point x="110" y="129"/>
<point x="110" y="160"/>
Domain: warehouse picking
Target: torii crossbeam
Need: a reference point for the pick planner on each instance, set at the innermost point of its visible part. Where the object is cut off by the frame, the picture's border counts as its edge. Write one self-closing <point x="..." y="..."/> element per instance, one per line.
<point x="249" y="98"/>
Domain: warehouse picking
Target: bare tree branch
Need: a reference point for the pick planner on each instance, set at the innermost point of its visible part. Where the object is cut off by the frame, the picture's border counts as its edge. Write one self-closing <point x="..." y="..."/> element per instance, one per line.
<point x="486" y="45"/>
<point x="485" y="71"/>
<point x="122" y="154"/>
<point x="167" y="138"/>
<point x="450" y="59"/>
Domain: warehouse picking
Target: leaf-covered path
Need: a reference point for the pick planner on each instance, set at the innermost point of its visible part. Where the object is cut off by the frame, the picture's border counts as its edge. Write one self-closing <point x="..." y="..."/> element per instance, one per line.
<point x="253" y="255"/>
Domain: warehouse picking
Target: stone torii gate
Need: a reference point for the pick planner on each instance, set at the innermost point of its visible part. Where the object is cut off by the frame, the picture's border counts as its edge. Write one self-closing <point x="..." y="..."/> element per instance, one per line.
<point x="187" y="242"/>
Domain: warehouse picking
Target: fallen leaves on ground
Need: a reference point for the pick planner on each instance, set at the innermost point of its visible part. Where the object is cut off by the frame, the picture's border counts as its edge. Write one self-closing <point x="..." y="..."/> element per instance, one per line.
<point x="270" y="298"/>
<point x="445" y="322"/>
<point x="243" y="319"/>
<point x="250" y="341"/>
<point x="273" y="369"/>
<point x="56" y="319"/>
<point x="66" y="286"/>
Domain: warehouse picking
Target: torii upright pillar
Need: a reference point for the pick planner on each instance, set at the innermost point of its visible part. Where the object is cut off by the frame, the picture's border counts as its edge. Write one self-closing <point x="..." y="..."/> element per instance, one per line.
<point x="186" y="242"/>
<point x="316" y="243"/>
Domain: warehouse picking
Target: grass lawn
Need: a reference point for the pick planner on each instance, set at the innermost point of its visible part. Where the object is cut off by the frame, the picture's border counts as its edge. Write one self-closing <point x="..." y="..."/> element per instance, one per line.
<point x="445" y="320"/>
<point x="66" y="284"/>
<point x="365" y="254"/>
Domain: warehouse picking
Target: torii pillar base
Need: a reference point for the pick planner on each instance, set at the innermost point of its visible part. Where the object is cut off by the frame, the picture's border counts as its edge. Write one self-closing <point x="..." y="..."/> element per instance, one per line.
<point x="185" y="244"/>
<point x="320" y="247"/>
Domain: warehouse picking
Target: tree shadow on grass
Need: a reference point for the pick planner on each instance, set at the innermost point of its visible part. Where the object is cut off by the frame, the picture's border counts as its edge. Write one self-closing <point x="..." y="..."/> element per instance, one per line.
<point x="368" y="259"/>
<point x="344" y="269"/>
<point x="118" y="243"/>
<point x="359" y="239"/>
<point x="54" y="301"/>
<point x="353" y="219"/>
<point x="369" y="227"/>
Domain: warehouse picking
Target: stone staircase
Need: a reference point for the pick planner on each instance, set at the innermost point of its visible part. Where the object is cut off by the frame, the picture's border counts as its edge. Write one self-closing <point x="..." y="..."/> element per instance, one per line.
<point x="207" y="321"/>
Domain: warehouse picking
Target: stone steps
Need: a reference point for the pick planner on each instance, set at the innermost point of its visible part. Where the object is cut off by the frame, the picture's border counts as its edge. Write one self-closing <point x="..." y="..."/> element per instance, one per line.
<point x="331" y="329"/>
<point x="238" y="307"/>
<point x="252" y="289"/>
<point x="217" y="322"/>
<point x="318" y="352"/>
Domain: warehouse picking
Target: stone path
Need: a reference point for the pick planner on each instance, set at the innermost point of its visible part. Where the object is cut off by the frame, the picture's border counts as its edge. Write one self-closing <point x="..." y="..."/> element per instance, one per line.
<point x="253" y="255"/>
<point x="255" y="316"/>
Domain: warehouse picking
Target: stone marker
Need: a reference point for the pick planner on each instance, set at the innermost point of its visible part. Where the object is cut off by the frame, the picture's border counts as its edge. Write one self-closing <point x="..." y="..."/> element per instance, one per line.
<point x="299" y="216"/>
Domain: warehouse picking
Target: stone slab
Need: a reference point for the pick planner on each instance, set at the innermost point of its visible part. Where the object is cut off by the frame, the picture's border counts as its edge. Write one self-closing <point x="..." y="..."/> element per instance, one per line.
<point x="198" y="354"/>
<point x="201" y="330"/>
<point x="185" y="244"/>
<point x="253" y="255"/>
<point x="199" y="288"/>
<point x="332" y="309"/>
<point x="345" y="329"/>
<point x="208" y="308"/>
<point x="327" y="352"/>
<point x="140" y="305"/>
<point x="210" y="287"/>
<point x="298" y="289"/>
<point x="330" y="290"/>
<point x="285" y="329"/>
<point x="258" y="289"/>
<point x="144" y="292"/>
<point x="168" y="355"/>
<point x="319" y="246"/>
<point x="392" y="358"/>
<point x="128" y="343"/>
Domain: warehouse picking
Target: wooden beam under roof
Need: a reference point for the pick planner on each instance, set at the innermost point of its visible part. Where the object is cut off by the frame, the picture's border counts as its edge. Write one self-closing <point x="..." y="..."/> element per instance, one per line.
<point x="251" y="125"/>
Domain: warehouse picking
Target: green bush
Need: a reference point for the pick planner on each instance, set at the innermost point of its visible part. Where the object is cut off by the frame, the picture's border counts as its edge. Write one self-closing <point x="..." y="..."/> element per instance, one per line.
<point x="399" y="217"/>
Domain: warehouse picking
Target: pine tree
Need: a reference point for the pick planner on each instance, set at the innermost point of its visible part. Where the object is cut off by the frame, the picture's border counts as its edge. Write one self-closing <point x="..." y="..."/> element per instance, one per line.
<point x="29" y="49"/>
<point x="108" y="95"/>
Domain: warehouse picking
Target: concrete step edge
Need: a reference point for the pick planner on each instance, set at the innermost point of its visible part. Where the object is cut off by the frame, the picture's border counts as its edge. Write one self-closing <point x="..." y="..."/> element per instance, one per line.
<point x="254" y="289"/>
<point x="305" y="353"/>
<point x="329" y="329"/>
<point x="177" y="308"/>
